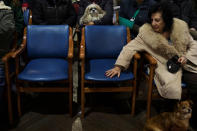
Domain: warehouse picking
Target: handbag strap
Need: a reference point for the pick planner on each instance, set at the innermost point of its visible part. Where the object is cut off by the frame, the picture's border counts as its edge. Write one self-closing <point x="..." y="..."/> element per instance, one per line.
<point x="136" y="13"/>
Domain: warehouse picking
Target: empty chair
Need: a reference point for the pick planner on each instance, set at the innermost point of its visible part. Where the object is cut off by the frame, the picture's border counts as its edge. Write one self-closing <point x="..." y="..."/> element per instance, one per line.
<point x="49" y="52"/>
<point x="100" y="46"/>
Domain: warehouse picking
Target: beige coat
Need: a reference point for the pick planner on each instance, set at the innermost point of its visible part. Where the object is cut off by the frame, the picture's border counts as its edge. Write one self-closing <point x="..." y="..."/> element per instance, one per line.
<point x="168" y="84"/>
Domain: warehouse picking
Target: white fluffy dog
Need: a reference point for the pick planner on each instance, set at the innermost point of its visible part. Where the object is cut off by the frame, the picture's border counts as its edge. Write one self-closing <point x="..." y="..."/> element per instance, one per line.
<point x="92" y="13"/>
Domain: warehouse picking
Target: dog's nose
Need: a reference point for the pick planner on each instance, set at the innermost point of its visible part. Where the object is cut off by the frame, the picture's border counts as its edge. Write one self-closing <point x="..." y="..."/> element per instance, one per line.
<point x="189" y="110"/>
<point x="93" y="9"/>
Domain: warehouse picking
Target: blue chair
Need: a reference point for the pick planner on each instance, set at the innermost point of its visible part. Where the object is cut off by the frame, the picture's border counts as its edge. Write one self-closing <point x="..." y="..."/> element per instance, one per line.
<point x="149" y="75"/>
<point x="99" y="49"/>
<point x="50" y="54"/>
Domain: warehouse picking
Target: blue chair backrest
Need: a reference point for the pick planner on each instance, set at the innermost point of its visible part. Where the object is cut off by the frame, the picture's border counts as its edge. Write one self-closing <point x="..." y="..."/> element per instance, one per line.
<point x="26" y="16"/>
<point x="104" y="41"/>
<point x="46" y="41"/>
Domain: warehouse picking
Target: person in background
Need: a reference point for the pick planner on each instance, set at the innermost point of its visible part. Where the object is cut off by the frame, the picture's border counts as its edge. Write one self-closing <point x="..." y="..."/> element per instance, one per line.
<point x="185" y="10"/>
<point x="128" y="9"/>
<point x="26" y="4"/>
<point x="53" y="12"/>
<point x="106" y="5"/>
<point x="18" y="18"/>
<point x="7" y="28"/>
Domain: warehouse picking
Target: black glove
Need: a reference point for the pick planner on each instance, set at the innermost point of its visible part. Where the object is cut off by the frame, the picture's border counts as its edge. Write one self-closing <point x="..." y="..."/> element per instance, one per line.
<point x="173" y="65"/>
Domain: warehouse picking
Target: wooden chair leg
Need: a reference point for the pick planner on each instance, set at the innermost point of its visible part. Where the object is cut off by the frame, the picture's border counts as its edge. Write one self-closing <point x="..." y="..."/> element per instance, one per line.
<point x="10" y="108"/>
<point x="82" y="102"/>
<point x="150" y="88"/>
<point x="149" y="99"/>
<point x="70" y="101"/>
<point x="19" y="104"/>
<point x="133" y="101"/>
<point x="10" y="114"/>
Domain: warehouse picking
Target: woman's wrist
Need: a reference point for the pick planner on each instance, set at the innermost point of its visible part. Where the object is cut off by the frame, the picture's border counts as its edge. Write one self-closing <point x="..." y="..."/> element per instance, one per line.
<point x="119" y="67"/>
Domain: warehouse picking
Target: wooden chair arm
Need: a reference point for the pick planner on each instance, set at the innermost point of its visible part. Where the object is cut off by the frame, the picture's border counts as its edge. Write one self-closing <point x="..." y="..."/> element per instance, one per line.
<point x="137" y="56"/>
<point x="7" y="56"/>
<point x="150" y="59"/>
<point x="117" y="17"/>
<point x="22" y="46"/>
<point x="82" y="45"/>
<point x="70" y="50"/>
<point x="128" y="35"/>
<point x="30" y="17"/>
<point x="18" y="51"/>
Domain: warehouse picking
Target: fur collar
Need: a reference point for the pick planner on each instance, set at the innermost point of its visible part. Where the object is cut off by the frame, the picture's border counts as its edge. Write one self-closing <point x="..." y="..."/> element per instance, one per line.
<point x="179" y="37"/>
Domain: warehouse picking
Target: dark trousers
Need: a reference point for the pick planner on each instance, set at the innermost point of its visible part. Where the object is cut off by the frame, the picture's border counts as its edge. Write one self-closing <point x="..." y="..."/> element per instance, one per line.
<point x="191" y="80"/>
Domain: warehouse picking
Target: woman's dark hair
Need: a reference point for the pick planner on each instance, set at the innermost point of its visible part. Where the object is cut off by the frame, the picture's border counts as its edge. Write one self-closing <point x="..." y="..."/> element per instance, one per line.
<point x="165" y="9"/>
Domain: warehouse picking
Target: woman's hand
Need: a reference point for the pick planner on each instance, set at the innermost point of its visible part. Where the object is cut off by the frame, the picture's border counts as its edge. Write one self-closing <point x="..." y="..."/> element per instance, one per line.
<point x="114" y="71"/>
<point x="182" y="60"/>
<point x="91" y="23"/>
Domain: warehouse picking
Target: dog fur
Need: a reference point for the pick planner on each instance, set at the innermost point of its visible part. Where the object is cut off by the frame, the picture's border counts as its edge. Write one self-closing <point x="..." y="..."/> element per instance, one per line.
<point x="92" y="13"/>
<point x="172" y="121"/>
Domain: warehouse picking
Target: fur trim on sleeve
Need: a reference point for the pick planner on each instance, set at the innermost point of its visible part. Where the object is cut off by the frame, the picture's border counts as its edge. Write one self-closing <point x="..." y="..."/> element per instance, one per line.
<point x="157" y="42"/>
<point x="179" y="37"/>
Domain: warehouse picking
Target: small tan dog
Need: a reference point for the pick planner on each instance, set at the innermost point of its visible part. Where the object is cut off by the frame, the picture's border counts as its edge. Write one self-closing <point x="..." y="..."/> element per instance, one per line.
<point x="172" y="121"/>
<point x="92" y="13"/>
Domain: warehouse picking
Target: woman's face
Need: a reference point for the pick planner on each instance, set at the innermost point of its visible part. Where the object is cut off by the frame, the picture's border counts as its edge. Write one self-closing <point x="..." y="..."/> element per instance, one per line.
<point x="157" y="22"/>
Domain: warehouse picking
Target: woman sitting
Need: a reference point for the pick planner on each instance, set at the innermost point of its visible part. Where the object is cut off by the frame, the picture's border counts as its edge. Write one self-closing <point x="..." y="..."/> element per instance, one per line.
<point x="163" y="37"/>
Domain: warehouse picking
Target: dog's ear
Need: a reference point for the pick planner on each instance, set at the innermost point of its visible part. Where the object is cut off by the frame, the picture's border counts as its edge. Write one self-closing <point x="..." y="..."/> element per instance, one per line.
<point x="101" y="11"/>
<point x="83" y="19"/>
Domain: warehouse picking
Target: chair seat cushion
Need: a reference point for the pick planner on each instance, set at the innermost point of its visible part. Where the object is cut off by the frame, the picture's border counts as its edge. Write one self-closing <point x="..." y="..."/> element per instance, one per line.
<point x="45" y="70"/>
<point x="96" y="68"/>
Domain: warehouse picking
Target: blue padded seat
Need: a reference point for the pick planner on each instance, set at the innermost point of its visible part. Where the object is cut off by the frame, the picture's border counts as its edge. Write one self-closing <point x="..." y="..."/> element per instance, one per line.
<point x="47" y="41"/>
<point x="97" y="67"/>
<point x="48" y="55"/>
<point x="104" y="45"/>
<point x="36" y="70"/>
<point x="102" y="51"/>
